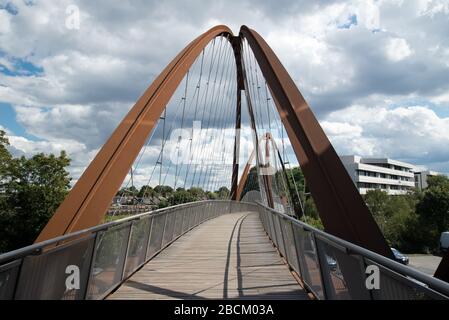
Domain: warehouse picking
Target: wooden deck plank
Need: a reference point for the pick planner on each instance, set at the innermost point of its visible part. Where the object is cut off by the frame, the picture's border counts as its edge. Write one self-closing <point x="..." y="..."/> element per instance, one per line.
<point x="229" y="257"/>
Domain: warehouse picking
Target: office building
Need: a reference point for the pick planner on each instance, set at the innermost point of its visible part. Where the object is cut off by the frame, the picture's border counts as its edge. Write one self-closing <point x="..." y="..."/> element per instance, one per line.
<point x="421" y="178"/>
<point x="392" y="176"/>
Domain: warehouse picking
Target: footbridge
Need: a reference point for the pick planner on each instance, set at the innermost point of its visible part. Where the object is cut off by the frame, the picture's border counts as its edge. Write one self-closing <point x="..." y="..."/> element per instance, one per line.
<point x="252" y="242"/>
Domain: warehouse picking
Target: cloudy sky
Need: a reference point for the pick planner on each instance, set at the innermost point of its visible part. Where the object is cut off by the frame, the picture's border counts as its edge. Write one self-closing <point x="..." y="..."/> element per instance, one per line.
<point x="376" y="73"/>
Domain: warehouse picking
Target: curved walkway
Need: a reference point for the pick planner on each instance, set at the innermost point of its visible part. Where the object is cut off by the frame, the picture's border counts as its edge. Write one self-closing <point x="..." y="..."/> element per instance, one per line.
<point x="229" y="257"/>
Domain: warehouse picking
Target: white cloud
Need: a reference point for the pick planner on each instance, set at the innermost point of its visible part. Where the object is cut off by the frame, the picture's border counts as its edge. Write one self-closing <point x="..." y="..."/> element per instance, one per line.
<point x="92" y="76"/>
<point x="368" y="14"/>
<point x="29" y="147"/>
<point x="441" y="98"/>
<point x="397" y="49"/>
<point x="415" y="134"/>
<point x="432" y="7"/>
<point x="5" y="22"/>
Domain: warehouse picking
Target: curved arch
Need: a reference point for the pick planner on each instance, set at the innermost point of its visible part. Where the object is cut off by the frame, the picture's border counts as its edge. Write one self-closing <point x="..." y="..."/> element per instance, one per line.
<point x="89" y="199"/>
<point x="341" y="208"/>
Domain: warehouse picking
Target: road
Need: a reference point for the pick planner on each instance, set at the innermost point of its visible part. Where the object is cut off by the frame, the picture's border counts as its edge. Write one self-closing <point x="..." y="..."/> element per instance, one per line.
<point x="425" y="263"/>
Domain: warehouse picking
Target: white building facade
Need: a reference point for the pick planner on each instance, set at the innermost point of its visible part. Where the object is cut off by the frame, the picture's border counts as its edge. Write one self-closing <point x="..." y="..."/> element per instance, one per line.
<point x="392" y="176"/>
<point x="421" y="178"/>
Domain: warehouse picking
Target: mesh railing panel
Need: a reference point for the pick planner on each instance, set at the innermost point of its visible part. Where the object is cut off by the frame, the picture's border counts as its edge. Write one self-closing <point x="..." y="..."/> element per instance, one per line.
<point x="8" y="278"/>
<point x="138" y="244"/>
<point x="343" y="274"/>
<point x="44" y="276"/>
<point x="394" y="286"/>
<point x="109" y="259"/>
<point x="157" y="232"/>
<point x="106" y="255"/>
<point x="332" y="268"/>
<point x="308" y="260"/>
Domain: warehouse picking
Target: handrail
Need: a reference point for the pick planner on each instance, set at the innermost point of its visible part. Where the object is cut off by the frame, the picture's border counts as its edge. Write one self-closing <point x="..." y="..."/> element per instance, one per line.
<point x="353" y="249"/>
<point x="163" y="226"/>
<point x="36" y="247"/>
<point x="105" y="255"/>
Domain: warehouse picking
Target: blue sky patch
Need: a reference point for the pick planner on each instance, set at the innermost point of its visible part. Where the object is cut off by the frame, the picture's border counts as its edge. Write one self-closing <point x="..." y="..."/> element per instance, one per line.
<point x="352" y="21"/>
<point x="9" y="121"/>
<point x="10" y="7"/>
<point x="21" y="67"/>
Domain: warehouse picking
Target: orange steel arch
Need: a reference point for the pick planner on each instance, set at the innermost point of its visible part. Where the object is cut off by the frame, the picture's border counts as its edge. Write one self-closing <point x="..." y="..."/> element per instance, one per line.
<point x="244" y="176"/>
<point x="88" y="201"/>
<point x="341" y="207"/>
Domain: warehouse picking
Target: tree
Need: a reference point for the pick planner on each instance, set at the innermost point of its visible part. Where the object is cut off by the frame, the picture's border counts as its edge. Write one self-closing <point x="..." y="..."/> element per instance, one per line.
<point x="433" y="210"/>
<point x="146" y="191"/>
<point x="310" y="209"/>
<point x="5" y="156"/>
<point x="180" y="196"/>
<point x="197" y="194"/>
<point x="377" y="202"/>
<point x="163" y="190"/>
<point x="33" y="188"/>
<point x="223" y="193"/>
<point x="438" y="181"/>
<point x="397" y="218"/>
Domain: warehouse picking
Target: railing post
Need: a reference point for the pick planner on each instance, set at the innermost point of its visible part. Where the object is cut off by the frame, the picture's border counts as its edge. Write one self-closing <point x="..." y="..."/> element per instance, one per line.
<point x="91" y="264"/>
<point x="281" y="225"/>
<point x="163" y="230"/>
<point x="149" y="238"/>
<point x="130" y="230"/>
<point x="319" y="262"/>
<point x="274" y="238"/>
<point x="16" y="282"/>
<point x="184" y="212"/>
<point x="296" y="250"/>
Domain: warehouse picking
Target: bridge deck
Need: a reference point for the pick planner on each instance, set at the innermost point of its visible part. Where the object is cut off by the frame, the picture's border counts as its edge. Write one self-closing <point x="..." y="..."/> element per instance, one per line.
<point x="227" y="257"/>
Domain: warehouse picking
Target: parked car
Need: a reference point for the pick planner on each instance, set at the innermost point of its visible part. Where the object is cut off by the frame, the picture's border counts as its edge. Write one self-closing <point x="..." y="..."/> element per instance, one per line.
<point x="444" y="241"/>
<point x="331" y="263"/>
<point x="399" y="257"/>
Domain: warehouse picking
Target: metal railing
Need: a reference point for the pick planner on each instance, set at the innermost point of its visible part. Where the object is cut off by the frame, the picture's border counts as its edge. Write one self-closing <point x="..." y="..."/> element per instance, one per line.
<point x="332" y="268"/>
<point x="104" y="255"/>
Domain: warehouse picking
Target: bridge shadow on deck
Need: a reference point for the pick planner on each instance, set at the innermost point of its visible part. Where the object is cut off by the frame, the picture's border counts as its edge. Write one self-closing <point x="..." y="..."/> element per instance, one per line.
<point x="229" y="257"/>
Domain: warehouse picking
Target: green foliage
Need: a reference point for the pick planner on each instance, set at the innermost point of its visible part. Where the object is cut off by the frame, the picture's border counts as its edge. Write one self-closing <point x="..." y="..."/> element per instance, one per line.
<point x="5" y="156"/>
<point x="163" y="190"/>
<point x="394" y="215"/>
<point x="310" y="209"/>
<point x="433" y="211"/>
<point x="164" y="196"/>
<point x="33" y="188"/>
<point x="413" y="222"/>
<point x="129" y="191"/>
<point x="314" y="222"/>
<point x="211" y="195"/>
<point x="180" y="196"/>
<point x="146" y="191"/>
<point x="197" y="193"/>
<point x="223" y="193"/>
<point x="296" y="177"/>
<point x="163" y="203"/>
<point x="439" y="181"/>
